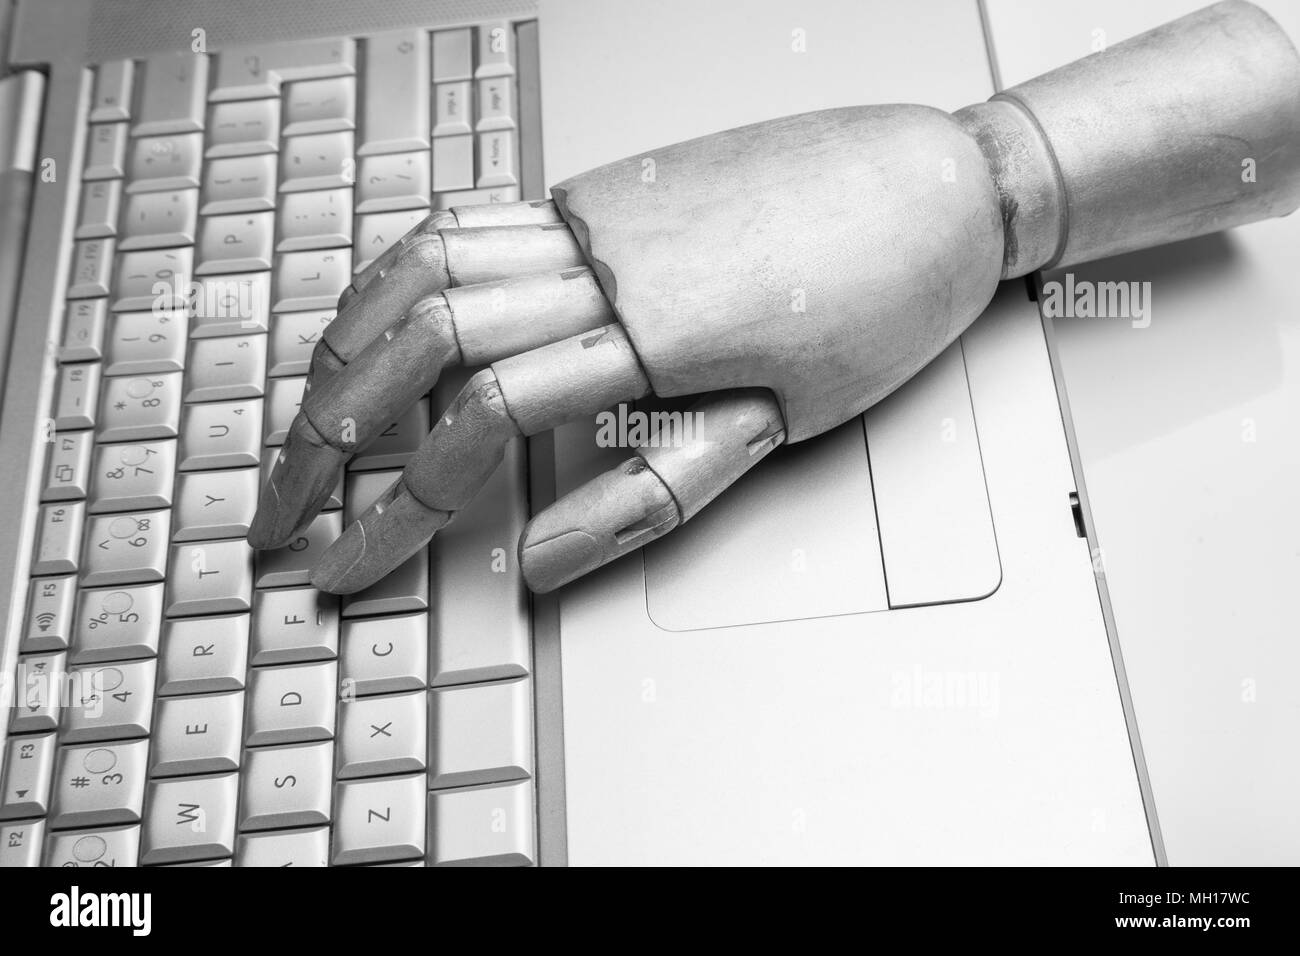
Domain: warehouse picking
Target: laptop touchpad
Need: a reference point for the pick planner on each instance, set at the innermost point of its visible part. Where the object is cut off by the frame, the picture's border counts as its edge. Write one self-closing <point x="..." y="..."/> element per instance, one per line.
<point x="801" y="535"/>
<point x="796" y="537"/>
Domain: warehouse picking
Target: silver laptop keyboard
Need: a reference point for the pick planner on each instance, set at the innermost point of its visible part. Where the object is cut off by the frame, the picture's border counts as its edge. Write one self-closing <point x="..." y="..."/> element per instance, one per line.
<point x="179" y="698"/>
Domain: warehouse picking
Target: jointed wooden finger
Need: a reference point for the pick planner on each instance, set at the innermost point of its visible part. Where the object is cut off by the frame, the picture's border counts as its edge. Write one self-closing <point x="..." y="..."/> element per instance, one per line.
<point x="458" y="217"/>
<point x="472" y="325"/>
<point x="431" y="262"/>
<point x="521" y="395"/>
<point x="651" y="494"/>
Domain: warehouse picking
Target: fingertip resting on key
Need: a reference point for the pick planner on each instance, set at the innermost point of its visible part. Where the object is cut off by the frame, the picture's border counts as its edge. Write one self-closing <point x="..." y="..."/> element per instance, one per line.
<point x="463" y="450"/>
<point x="395" y="526"/>
<point x="301" y="481"/>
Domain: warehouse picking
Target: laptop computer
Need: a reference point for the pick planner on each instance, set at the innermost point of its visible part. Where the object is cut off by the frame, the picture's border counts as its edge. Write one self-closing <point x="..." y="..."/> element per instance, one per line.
<point x="886" y="645"/>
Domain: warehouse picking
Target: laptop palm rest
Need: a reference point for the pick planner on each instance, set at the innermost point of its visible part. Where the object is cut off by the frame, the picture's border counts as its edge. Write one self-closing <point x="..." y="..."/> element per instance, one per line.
<point x="889" y="510"/>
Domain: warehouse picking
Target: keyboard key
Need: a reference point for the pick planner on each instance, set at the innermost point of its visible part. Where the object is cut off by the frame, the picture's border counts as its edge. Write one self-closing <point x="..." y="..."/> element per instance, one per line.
<point x="50" y="603"/>
<point x="125" y="548"/>
<point x="291" y="848"/>
<point x="286" y="787"/>
<point x="225" y="862"/>
<point x="482" y="826"/>
<point x="479" y="623"/>
<point x="321" y="106"/>
<point x="453" y="163"/>
<point x="203" y="655"/>
<point x="322" y="161"/>
<point x="117" y="624"/>
<point x="99" y="785"/>
<point x="221" y="435"/>
<point x="133" y="477"/>
<point x="20" y="843"/>
<point x="215" y="504"/>
<point x="40" y="689"/>
<point x="292" y="564"/>
<point x="230" y="305"/>
<point x="396" y="443"/>
<point x="496" y="50"/>
<point x="283" y="399"/>
<point x="291" y="704"/>
<point x="315" y="220"/>
<point x="496" y="103"/>
<point x="192" y="818"/>
<point x="173" y="90"/>
<point x="100" y="203"/>
<point x="405" y="588"/>
<point x="226" y="369"/>
<point x="113" y="83"/>
<point x="294" y="625"/>
<point x="142" y="408"/>
<point x="384" y="655"/>
<point x="28" y="770"/>
<point x="294" y="336"/>
<point x="78" y="400"/>
<point x="377" y="232"/>
<point x="480" y="733"/>
<point x="395" y="111"/>
<point x="452" y="55"/>
<point x="58" y="538"/>
<point x="106" y="152"/>
<point x="452" y="114"/>
<point x="83" y="331"/>
<point x="145" y="343"/>
<point x="197" y="735"/>
<point x="210" y="577"/>
<point x="203" y="863"/>
<point x="153" y="279"/>
<point x="239" y="243"/>
<point x="243" y="128"/>
<point x="498" y="165"/>
<point x="119" y="846"/>
<point x="382" y="735"/>
<point x="160" y="219"/>
<point x="311" y="280"/>
<point x="252" y="72"/>
<point x="364" y="488"/>
<point x="379" y="820"/>
<point x="393" y="181"/>
<point x="110" y="702"/>
<point x="239" y="184"/>
<point x="92" y="262"/>
<point x="67" y="467"/>
<point x="161" y="163"/>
